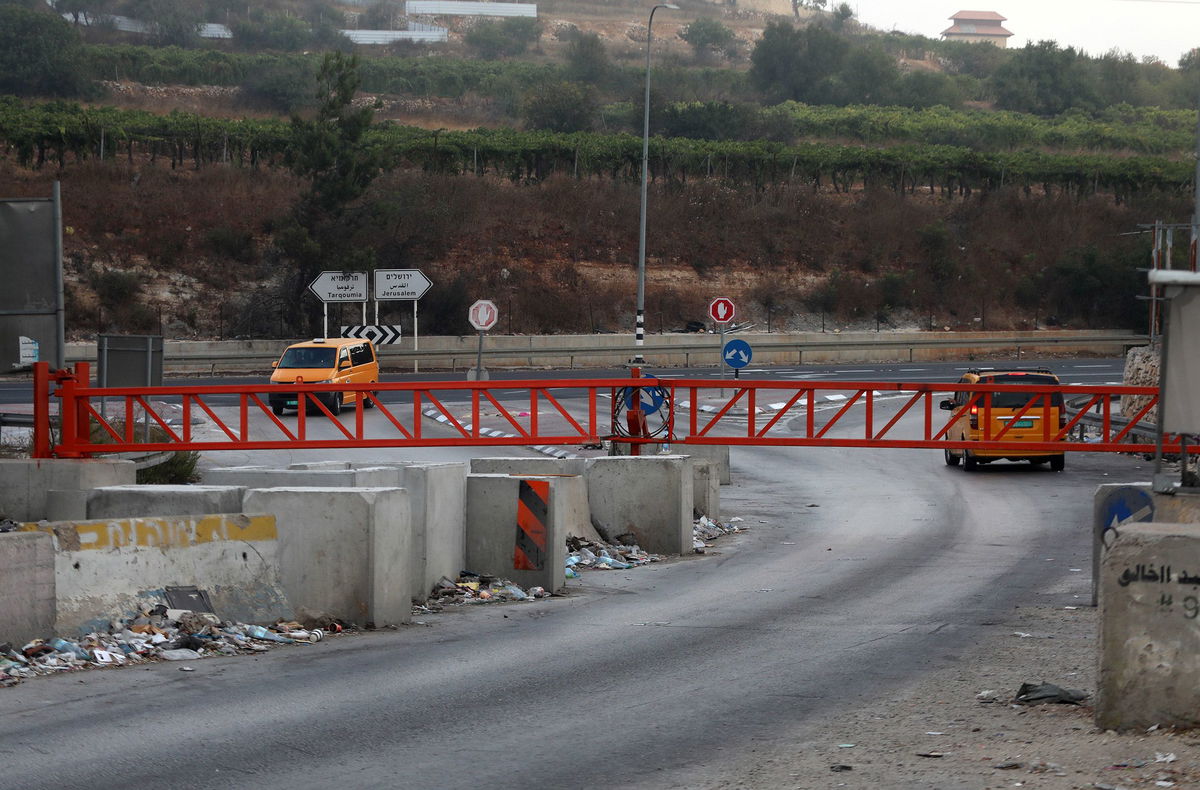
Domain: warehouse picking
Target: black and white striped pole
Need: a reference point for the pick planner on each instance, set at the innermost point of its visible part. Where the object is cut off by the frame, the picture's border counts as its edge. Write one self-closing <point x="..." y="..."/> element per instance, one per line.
<point x="639" y="329"/>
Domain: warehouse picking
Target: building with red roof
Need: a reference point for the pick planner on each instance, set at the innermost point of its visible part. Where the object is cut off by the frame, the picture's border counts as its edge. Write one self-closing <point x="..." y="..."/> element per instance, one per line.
<point x="976" y="26"/>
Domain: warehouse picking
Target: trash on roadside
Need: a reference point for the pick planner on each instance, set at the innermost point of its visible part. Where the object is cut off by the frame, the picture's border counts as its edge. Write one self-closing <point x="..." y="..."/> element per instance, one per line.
<point x="474" y="588"/>
<point x="840" y="767"/>
<point x="155" y="634"/>
<point x="1038" y="693"/>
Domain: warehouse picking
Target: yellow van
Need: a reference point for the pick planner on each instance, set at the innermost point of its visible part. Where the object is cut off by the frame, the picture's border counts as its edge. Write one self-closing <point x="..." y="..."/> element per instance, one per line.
<point x="325" y="361"/>
<point x="1003" y="409"/>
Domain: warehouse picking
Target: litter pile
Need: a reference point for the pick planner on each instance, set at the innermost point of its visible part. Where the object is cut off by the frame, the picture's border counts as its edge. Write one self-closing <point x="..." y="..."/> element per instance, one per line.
<point x="475" y="588"/>
<point x="597" y="556"/>
<point x="705" y="529"/>
<point x="154" y="635"/>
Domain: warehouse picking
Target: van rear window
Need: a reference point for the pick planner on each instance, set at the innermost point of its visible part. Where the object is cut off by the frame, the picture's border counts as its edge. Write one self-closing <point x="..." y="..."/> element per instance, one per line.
<point x="307" y="358"/>
<point x="1015" y="400"/>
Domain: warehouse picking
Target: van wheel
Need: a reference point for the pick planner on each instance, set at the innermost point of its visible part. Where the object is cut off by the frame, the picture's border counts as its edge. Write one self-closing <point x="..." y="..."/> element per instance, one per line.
<point x="277" y="409"/>
<point x="951" y="458"/>
<point x="969" y="462"/>
<point x="336" y="407"/>
<point x="366" y="400"/>
<point x="1058" y="463"/>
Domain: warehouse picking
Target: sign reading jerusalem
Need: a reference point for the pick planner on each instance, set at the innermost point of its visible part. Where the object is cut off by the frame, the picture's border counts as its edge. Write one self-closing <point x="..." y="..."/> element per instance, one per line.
<point x="400" y="284"/>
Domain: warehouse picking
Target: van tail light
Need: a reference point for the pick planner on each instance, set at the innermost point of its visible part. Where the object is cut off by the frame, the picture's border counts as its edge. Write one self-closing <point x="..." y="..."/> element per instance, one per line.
<point x="974" y="418"/>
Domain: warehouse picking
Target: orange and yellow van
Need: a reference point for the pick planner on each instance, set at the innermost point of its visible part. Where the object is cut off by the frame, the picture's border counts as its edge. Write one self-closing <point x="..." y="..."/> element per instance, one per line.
<point x="331" y="360"/>
<point x="1004" y="410"/>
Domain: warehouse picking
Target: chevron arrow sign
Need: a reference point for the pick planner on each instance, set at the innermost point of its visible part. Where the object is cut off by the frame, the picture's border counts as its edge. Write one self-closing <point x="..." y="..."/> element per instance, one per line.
<point x="379" y="334"/>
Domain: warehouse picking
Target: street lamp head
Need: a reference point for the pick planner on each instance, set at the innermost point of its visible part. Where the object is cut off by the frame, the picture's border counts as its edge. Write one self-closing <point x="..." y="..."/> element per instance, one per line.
<point x="671" y="6"/>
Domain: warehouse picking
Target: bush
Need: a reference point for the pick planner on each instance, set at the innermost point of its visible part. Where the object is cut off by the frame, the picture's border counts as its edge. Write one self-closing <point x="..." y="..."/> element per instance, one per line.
<point x="40" y="55"/>
<point x="707" y="35"/>
<point x="560" y="107"/>
<point x="178" y="469"/>
<point x="284" y="87"/>
<point x="506" y="38"/>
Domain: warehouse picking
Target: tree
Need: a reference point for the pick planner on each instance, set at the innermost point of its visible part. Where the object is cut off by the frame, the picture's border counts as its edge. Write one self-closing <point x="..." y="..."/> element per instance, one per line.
<point x="1044" y="80"/>
<point x="506" y="38"/>
<point x="172" y="23"/>
<point x="587" y="60"/>
<point x="841" y="15"/>
<point x="272" y="31"/>
<point x="797" y="64"/>
<point x="870" y="76"/>
<point x="560" y="107"/>
<point x="813" y="4"/>
<point x="331" y="153"/>
<point x="707" y="35"/>
<point x="40" y="55"/>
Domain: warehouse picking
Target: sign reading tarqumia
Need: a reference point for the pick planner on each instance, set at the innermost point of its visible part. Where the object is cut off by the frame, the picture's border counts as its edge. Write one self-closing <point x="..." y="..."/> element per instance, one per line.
<point x="721" y="310"/>
<point x="483" y="315"/>
<point x="340" y="286"/>
<point x="391" y="284"/>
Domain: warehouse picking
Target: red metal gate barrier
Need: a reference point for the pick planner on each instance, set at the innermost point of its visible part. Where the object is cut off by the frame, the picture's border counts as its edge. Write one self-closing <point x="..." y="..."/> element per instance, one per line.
<point x="101" y="420"/>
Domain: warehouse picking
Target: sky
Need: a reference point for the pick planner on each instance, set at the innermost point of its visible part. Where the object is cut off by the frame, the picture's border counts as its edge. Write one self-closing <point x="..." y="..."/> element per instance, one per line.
<point x="1164" y="28"/>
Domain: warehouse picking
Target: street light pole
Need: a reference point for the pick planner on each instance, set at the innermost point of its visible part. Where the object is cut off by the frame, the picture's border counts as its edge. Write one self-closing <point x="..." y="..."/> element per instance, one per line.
<point x="640" y="319"/>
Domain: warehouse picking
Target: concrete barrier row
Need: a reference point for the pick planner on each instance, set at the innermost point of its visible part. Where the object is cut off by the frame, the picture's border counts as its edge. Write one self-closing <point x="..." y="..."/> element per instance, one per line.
<point x="358" y="542"/>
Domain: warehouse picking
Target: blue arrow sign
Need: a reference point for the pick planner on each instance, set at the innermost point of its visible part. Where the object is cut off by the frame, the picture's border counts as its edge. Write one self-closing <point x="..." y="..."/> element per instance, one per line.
<point x="737" y="353"/>
<point x="1127" y="504"/>
<point x="651" y="397"/>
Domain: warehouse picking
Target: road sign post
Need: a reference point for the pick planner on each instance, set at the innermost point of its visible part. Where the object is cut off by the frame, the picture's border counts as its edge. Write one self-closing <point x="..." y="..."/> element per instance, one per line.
<point x="400" y="284"/>
<point x="721" y="310"/>
<point x="483" y="315"/>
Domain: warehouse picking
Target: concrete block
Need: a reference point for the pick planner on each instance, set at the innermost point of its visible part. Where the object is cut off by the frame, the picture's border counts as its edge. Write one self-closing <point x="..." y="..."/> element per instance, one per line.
<point x="25" y="483"/>
<point x="1149" y="670"/>
<point x="27" y="602"/>
<point x="344" y="551"/>
<point x="706" y="488"/>
<point x="503" y="518"/>
<point x="259" y="477"/>
<point x="378" y="477"/>
<point x="163" y="500"/>
<point x="717" y="453"/>
<point x="105" y="569"/>
<point x="437" y="500"/>
<point x="648" y="496"/>
<point x="66" y="505"/>
<point x="1178" y="508"/>
<point x="313" y="465"/>
<point x="528" y="466"/>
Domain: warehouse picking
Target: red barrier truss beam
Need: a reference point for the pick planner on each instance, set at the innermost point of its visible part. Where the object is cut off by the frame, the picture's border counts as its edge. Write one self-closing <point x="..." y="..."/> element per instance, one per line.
<point x="559" y="412"/>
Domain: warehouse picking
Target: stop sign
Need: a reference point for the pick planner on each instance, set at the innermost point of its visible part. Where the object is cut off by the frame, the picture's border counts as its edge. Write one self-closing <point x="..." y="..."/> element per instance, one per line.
<point x="483" y="315"/>
<point x="721" y="310"/>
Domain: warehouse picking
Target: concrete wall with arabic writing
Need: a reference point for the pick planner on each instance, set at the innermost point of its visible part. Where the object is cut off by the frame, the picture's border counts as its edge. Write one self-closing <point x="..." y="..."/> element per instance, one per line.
<point x="1150" y="628"/>
<point x="110" y="568"/>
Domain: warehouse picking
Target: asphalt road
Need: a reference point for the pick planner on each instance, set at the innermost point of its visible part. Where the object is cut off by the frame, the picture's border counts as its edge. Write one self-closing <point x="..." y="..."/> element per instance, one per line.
<point x="667" y="676"/>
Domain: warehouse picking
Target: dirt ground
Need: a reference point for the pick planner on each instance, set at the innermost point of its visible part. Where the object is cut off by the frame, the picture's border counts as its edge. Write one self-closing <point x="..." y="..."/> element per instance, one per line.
<point x="939" y="734"/>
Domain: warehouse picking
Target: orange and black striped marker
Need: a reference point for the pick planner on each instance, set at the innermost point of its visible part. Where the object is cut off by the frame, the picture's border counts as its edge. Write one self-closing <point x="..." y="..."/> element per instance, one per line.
<point x="533" y="507"/>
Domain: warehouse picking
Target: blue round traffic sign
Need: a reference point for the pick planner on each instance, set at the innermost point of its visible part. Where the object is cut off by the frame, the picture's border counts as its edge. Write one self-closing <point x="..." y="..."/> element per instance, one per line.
<point x="651" y="398"/>
<point x="737" y="353"/>
<point x="1127" y="504"/>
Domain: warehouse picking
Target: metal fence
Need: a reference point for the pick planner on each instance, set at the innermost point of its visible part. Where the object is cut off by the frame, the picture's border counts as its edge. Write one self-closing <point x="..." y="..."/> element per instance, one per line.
<point x="431" y="35"/>
<point x="463" y="8"/>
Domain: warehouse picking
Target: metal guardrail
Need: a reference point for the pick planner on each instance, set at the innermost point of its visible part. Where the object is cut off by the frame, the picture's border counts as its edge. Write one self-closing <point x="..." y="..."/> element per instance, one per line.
<point x="1143" y="432"/>
<point x="705" y="346"/>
